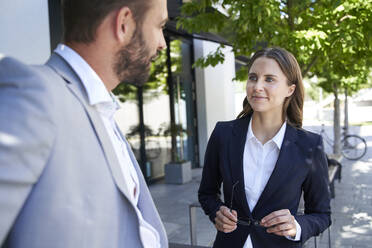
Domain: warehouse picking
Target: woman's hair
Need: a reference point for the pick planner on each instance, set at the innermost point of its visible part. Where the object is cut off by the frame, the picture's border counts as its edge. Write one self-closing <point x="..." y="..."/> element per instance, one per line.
<point x="293" y="105"/>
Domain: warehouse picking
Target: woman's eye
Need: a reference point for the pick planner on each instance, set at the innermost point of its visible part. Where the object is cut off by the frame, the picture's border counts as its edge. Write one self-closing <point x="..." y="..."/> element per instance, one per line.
<point x="252" y="78"/>
<point x="269" y="79"/>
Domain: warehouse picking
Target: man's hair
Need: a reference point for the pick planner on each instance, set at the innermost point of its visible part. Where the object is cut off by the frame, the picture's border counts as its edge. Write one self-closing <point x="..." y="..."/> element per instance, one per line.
<point x="81" y="18"/>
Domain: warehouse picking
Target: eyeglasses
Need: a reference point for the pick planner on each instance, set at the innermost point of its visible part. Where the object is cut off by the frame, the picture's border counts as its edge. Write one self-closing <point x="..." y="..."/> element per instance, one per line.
<point x="240" y="221"/>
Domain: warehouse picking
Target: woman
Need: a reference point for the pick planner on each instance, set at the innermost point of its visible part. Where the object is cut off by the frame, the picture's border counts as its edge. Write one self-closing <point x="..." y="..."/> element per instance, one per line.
<point x="265" y="161"/>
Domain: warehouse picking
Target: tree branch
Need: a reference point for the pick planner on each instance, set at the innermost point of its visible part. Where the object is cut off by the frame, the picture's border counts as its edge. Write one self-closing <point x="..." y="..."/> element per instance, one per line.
<point x="343" y="19"/>
<point x="290" y="16"/>
<point x="305" y="71"/>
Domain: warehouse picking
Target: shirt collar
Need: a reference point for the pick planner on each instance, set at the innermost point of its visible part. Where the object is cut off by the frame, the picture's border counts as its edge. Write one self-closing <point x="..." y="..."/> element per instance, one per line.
<point x="250" y="134"/>
<point x="95" y="88"/>
<point x="108" y="109"/>
<point x="277" y="139"/>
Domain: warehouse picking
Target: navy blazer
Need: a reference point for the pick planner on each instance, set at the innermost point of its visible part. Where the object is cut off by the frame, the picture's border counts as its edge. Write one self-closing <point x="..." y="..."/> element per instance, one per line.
<point x="301" y="167"/>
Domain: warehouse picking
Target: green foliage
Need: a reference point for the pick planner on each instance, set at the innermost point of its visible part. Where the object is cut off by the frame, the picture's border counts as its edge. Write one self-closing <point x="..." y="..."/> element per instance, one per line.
<point x="349" y="52"/>
<point x="331" y="39"/>
<point x="241" y="74"/>
<point x="211" y="59"/>
<point x="126" y="92"/>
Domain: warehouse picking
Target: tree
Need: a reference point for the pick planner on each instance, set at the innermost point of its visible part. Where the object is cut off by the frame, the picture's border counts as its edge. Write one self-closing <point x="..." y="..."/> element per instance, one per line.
<point x="330" y="39"/>
<point x="349" y="53"/>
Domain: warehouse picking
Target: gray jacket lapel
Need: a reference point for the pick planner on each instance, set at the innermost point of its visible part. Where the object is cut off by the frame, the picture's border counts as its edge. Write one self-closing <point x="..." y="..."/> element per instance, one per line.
<point x="145" y="201"/>
<point x="73" y="83"/>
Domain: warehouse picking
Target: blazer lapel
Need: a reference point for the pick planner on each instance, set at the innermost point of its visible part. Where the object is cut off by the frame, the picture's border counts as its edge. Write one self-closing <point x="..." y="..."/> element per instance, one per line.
<point x="239" y="135"/>
<point x="283" y="166"/>
<point x="73" y="83"/>
<point x="131" y="154"/>
<point x="108" y="149"/>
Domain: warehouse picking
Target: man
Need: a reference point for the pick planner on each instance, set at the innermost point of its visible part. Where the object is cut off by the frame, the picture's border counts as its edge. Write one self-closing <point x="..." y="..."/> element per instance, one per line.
<point x="67" y="176"/>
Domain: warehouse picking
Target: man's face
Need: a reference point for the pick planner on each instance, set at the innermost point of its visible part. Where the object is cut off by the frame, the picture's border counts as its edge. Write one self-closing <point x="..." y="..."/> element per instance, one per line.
<point x="133" y="60"/>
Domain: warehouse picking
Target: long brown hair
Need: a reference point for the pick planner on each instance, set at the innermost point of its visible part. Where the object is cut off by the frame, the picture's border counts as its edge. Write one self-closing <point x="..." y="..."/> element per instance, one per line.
<point x="293" y="105"/>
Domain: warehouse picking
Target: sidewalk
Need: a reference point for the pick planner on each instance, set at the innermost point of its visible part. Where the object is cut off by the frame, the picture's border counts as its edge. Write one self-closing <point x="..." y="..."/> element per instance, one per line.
<point x="173" y="203"/>
<point x="351" y="209"/>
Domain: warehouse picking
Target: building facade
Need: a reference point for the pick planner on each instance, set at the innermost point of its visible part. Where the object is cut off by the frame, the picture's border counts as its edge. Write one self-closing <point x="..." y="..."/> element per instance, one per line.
<point x="173" y="115"/>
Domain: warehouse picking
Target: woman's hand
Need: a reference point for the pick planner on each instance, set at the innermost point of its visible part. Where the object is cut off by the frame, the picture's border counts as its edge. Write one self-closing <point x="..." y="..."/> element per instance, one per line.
<point x="281" y="223"/>
<point x="225" y="220"/>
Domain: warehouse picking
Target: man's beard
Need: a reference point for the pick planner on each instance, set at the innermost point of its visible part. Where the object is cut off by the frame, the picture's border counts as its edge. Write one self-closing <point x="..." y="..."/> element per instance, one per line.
<point x="133" y="61"/>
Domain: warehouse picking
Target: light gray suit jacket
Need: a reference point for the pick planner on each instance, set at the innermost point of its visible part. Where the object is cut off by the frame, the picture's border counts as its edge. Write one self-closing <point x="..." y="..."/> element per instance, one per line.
<point x="60" y="181"/>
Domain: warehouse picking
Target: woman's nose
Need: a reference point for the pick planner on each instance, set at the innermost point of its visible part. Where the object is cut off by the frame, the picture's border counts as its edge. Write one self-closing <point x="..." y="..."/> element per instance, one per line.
<point x="259" y="85"/>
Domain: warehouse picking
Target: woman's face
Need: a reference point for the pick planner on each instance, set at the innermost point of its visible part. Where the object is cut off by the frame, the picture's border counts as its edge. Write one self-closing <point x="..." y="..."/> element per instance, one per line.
<point x="267" y="86"/>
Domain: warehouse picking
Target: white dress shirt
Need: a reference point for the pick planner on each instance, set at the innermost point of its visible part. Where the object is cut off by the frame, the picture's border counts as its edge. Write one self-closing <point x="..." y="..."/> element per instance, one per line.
<point x="258" y="164"/>
<point x="106" y="105"/>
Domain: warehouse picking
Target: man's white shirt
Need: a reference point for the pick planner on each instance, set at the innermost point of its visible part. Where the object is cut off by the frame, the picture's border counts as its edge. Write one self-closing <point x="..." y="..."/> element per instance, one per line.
<point x="258" y="164"/>
<point x="106" y="105"/>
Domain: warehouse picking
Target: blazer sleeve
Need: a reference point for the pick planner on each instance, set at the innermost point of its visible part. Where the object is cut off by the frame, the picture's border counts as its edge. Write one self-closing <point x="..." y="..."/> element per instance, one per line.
<point x="26" y="137"/>
<point x="209" y="191"/>
<point x="317" y="216"/>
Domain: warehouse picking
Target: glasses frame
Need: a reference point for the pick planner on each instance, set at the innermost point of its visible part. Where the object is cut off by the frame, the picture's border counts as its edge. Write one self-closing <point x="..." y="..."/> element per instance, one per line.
<point x="242" y="222"/>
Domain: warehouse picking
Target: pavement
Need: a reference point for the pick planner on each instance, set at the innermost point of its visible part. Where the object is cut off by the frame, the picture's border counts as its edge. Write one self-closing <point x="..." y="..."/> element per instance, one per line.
<point x="351" y="208"/>
<point x="173" y="203"/>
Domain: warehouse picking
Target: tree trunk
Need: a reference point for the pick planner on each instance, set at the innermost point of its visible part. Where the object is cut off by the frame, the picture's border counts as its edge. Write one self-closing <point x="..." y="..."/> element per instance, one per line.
<point x="308" y="67"/>
<point x="336" y="122"/>
<point x="143" y="158"/>
<point x="171" y="101"/>
<point x="346" y="118"/>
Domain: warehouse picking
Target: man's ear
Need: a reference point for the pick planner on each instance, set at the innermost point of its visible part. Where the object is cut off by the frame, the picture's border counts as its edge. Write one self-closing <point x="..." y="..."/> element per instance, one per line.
<point x="124" y="25"/>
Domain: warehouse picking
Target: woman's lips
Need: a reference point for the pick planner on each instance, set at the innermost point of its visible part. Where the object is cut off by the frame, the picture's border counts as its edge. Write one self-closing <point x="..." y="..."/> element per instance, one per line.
<point x="259" y="98"/>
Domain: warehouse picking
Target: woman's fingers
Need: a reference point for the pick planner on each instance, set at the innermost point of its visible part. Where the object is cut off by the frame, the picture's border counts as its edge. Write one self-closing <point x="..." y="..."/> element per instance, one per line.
<point x="225" y="220"/>
<point x="224" y="227"/>
<point x="276" y="217"/>
<point x="281" y="228"/>
<point x="291" y="232"/>
<point x="235" y="214"/>
<point x="280" y="222"/>
<point x="231" y="215"/>
<point x="225" y="216"/>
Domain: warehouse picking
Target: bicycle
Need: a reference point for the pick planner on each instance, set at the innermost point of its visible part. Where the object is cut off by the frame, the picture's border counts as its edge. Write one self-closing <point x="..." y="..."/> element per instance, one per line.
<point x="353" y="147"/>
